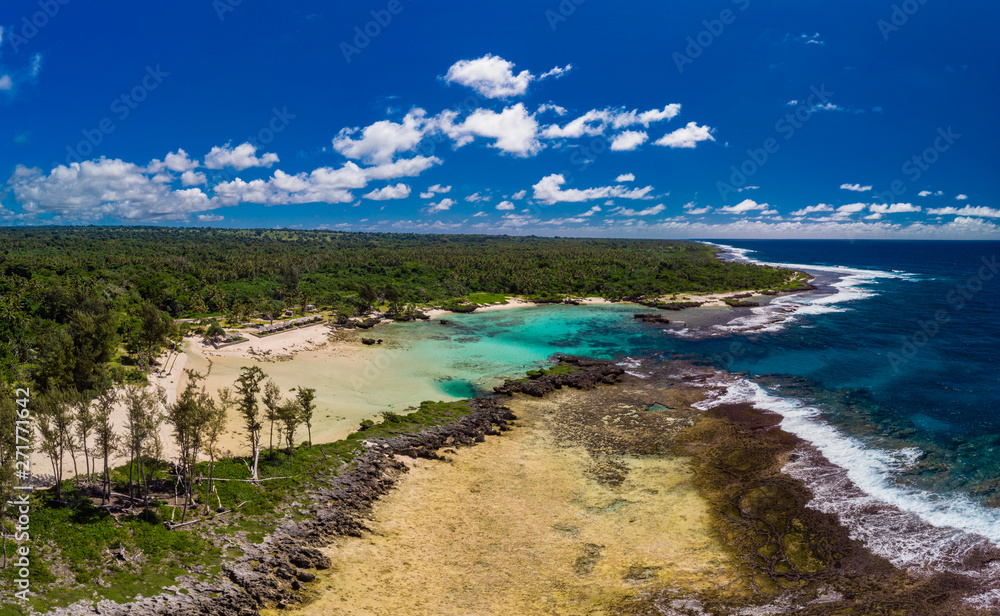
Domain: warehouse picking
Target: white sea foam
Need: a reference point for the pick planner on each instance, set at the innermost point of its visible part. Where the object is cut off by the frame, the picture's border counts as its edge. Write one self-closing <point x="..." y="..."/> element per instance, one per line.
<point x="851" y="284"/>
<point x="911" y="528"/>
<point x="631" y="365"/>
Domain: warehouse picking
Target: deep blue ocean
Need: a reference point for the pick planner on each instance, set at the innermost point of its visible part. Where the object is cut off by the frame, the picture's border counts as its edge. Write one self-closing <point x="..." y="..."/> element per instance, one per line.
<point x="915" y="361"/>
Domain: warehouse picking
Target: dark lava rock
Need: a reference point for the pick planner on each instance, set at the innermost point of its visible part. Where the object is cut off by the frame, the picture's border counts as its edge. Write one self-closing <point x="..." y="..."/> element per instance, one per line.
<point x="590" y="373"/>
<point x="652" y="318"/>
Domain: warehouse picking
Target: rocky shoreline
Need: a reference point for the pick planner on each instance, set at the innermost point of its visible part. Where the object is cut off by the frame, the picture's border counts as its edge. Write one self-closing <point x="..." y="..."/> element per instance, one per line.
<point x="273" y="573"/>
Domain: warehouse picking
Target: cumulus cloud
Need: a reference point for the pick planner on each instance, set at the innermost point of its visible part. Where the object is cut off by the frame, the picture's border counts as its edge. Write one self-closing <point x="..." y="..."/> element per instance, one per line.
<point x="822" y="207"/>
<point x="491" y="76"/>
<point x="92" y="190"/>
<point x="895" y="208"/>
<point x="399" y="191"/>
<point x="962" y="197"/>
<point x="513" y="129"/>
<point x="548" y="190"/>
<point x="477" y="197"/>
<point x="378" y="143"/>
<point x="625" y="177"/>
<point x="628" y="140"/>
<point x="699" y="210"/>
<point x="521" y="194"/>
<point x="433" y="190"/>
<point x="597" y="121"/>
<point x="686" y="137"/>
<point x="747" y="205"/>
<point x="558" y="110"/>
<point x="856" y="187"/>
<point x="210" y="218"/>
<point x="969" y="210"/>
<point x="404" y="167"/>
<point x="441" y="206"/>
<point x="851" y="208"/>
<point x="193" y="178"/>
<point x="505" y="205"/>
<point x="924" y="193"/>
<point x="323" y="185"/>
<point x="649" y="211"/>
<point x="241" y="157"/>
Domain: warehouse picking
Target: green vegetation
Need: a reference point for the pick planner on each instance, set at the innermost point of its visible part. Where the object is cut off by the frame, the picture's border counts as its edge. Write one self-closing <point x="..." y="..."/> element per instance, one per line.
<point x="139" y="555"/>
<point x="71" y="294"/>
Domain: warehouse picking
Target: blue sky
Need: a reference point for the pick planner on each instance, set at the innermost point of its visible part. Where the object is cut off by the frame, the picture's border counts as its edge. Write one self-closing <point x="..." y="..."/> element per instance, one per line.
<point x="729" y="118"/>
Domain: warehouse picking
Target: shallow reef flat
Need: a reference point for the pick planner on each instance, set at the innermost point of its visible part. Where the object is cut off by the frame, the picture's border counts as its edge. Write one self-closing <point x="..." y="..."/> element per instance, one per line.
<point x="619" y="499"/>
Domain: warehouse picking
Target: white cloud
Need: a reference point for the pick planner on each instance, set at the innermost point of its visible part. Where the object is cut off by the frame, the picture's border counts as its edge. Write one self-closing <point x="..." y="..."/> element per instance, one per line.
<point x="404" y="167"/>
<point x="434" y="189"/>
<point x="969" y="210"/>
<point x="491" y="76"/>
<point x="441" y="206"/>
<point x="179" y="161"/>
<point x="95" y="189"/>
<point x="822" y="207"/>
<point x="550" y="107"/>
<point x="596" y="121"/>
<point x="895" y="208"/>
<point x="548" y="191"/>
<point x="241" y="157"/>
<point x="628" y="140"/>
<point x="210" y="218"/>
<point x="649" y="211"/>
<point x="505" y="205"/>
<point x="514" y="129"/>
<point x="521" y="194"/>
<point x="322" y="185"/>
<point x="924" y="193"/>
<point x="700" y="210"/>
<point x="381" y="141"/>
<point x="747" y="205"/>
<point x="856" y="187"/>
<point x="399" y="191"/>
<point x="556" y="71"/>
<point x="962" y="197"/>
<point x="747" y="188"/>
<point x="625" y="177"/>
<point x="477" y="197"/>
<point x="591" y="211"/>
<point x="686" y="137"/>
<point x="193" y="178"/>
<point x="6" y="83"/>
<point x="851" y="208"/>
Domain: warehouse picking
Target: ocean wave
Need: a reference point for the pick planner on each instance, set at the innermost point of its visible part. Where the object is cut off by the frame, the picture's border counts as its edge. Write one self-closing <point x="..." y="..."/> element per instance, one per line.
<point x="851" y="285"/>
<point x="911" y="528"/>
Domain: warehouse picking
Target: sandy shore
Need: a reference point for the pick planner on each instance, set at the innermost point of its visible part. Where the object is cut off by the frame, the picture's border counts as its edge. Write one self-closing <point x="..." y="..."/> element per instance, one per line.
<point x="525" y="524"/>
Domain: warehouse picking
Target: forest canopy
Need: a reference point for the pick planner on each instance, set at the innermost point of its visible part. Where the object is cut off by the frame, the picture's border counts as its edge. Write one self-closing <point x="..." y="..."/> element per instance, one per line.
<point x="70" y="294"/>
